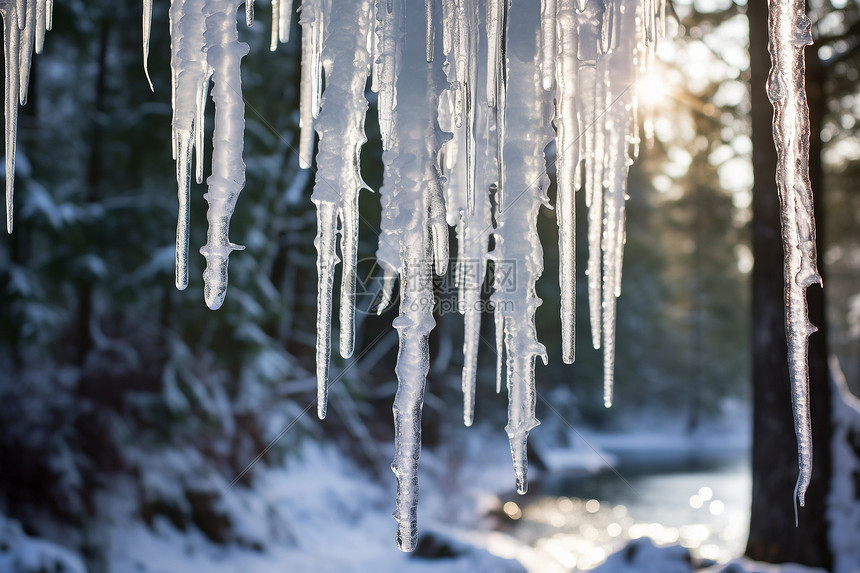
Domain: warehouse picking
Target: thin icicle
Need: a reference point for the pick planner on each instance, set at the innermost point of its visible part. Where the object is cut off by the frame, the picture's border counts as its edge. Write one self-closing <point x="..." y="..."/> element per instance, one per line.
<point x="567" y="153"/>
<point x="147" y="28"/>
<point x="429" y="31"/>
<point x="495" y="18"/>
<point x="312" y="21"/>
<point x="326" y="262"/>
<point x="190" y="77"/>
<point x="789" y="30"/>
<point x="548" y="39"/>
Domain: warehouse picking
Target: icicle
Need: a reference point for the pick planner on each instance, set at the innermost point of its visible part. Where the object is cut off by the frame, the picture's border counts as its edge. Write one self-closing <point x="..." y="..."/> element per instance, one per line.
<point x="495" y="18"/>
<point x="789" y="29"/>
<point x="11" y="49"/>
<point x="190" y="73"/>
<point x="224" y="55"/>
<point x="517" y="245"/>
<point x="548" y="40"/>
<point x="249" y="13"/>
<point x="414" y="164"/>
<point x="340" y="125"/>
<point x="326" y="262"/>
<point x="568" y="159"/>
<point x="24" y="25"/>
<point x="282" y="20"/>
<point x="147" y="27"/>
<point x="312" y="21"/>
<point x="28" y="35"/>
<point x="41" y="24"/>
<point x="390" y="40"/>
<point x="473" y="226"/>
<point x="429" y="32"/>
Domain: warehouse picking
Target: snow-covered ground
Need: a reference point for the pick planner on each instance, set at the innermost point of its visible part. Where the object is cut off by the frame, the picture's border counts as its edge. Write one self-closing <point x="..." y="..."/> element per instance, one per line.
<point x="321" y="513"/>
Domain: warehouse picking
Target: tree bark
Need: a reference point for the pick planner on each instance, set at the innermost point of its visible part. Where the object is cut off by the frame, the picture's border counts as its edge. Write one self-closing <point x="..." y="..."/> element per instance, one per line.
<point x="773" y="535"/>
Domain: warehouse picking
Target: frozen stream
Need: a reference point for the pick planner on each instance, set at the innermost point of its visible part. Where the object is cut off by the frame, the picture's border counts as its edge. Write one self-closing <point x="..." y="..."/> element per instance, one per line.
<point x="576" y="520"/>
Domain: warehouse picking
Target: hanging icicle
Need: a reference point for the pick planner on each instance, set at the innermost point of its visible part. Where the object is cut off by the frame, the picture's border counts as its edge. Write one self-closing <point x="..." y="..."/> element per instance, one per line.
<point x="465" y="117"/>
<point x="24" y="26"/>
<point x="341" y="130"/>
<point x="517" y="245"/>
<point x="790" y="32"/>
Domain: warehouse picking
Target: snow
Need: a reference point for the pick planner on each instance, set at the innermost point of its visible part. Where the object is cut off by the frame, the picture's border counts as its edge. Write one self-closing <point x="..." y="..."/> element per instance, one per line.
<point x="319" y="513"/>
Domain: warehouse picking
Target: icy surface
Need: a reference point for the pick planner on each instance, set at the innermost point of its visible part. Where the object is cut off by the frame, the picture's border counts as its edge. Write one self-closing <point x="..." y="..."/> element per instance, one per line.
<point x="790" y="32"/>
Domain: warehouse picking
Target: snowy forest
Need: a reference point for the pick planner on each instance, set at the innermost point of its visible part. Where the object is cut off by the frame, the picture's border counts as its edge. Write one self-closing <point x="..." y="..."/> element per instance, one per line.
<point x="423" y="199"/>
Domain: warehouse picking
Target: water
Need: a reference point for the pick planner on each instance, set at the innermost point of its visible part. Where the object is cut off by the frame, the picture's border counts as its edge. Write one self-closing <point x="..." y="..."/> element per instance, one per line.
<point x="577" y="520"/>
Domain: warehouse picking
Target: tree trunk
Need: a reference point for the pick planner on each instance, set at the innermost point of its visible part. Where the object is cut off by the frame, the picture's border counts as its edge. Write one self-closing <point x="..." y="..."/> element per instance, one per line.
<point x="773" y="535"/>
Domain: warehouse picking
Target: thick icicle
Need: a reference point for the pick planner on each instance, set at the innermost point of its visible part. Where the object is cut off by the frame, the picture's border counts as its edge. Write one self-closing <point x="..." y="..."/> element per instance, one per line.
<point x="341" y="130"/>
<point x="224" y="54"/>
<point x="417" y="136"/>
<point x="567" y="153"/>
<point x="518" y="254"/>
<point x="790" y="32"/>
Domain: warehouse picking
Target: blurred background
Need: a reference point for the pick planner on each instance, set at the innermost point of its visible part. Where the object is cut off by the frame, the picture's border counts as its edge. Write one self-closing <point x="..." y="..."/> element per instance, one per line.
<point x="144" y="432"/>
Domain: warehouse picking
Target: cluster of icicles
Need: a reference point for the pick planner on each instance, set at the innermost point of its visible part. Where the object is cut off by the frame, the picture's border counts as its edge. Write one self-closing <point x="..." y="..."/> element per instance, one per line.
<point x="471" y="94"/>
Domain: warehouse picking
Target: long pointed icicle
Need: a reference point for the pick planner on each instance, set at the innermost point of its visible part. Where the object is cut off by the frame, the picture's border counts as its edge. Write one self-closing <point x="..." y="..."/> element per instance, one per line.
<point x="587" y="102"/>
<point x="567" y="151"/>
<point x="341" y="131"/>
<point x="518" y="254"/>
<point x="789" y="29"/>
<point x="416" y="131"/>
